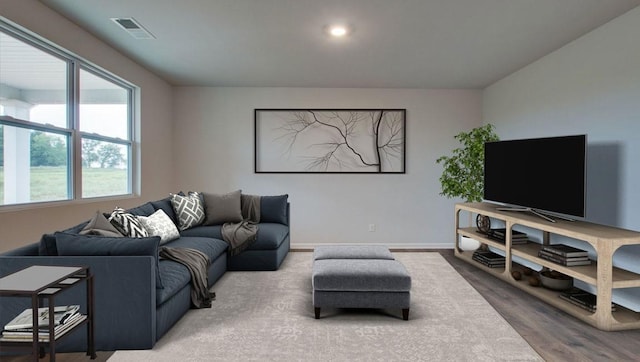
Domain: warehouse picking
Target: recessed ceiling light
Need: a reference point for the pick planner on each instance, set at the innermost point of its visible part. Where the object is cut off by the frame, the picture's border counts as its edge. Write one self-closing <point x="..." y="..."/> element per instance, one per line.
<point x="338" y="31"/>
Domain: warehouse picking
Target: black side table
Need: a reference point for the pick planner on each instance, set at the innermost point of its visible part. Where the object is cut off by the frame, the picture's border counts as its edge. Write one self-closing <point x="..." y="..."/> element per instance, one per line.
<point x="44" y="282"/>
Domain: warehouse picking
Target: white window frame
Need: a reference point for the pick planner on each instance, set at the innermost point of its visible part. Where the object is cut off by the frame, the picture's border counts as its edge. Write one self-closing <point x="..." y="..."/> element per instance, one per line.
<point x="74" y="160"/>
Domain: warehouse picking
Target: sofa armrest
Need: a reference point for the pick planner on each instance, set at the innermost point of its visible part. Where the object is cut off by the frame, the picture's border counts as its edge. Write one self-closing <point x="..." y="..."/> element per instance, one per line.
<point x="124" y="299"/>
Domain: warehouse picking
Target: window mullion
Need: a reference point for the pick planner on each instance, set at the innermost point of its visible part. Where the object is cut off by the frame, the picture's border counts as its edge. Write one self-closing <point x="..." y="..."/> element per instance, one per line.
<point x="75" y="188"/>
<point x="18" y="123"/>
<point x="133" y="172"/>
<point x="97" y="137"/>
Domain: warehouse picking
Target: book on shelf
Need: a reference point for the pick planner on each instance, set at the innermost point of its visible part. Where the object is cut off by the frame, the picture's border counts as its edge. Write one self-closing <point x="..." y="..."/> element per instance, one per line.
<point x="564" y="261"/>
<point x="26" y="335"/>
<point x="489" y="255"/>
<point x="489" y="258"/>
<point x="517" y="237"/>
<point x="25" y="319"/>
<point x="490" y="265"/>
<point x="563" y="258"/>
<point x="515" y="234"/>
<point x="564" y="250"/>
<point x="582" y="299"/>
<point x="513" y="241"/>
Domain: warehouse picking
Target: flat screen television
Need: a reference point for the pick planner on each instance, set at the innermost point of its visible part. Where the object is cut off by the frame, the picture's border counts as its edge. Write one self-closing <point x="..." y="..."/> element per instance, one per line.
<point x="538" y="175"/>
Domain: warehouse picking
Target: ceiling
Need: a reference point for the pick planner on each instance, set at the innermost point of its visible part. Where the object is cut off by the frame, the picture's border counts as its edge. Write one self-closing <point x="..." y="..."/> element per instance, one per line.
<point x="394" y="44"/>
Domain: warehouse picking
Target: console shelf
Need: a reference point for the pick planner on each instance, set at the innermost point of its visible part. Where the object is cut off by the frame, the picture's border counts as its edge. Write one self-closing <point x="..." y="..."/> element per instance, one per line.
<point x="602" y="274"/>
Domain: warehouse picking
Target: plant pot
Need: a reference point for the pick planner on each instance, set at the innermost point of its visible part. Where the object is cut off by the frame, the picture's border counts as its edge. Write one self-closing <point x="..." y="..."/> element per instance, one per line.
<point x="468" y="244"/>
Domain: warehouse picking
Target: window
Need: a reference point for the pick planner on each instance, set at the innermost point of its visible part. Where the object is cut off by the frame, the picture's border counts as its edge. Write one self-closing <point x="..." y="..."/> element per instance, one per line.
<point x="65" y="125"/>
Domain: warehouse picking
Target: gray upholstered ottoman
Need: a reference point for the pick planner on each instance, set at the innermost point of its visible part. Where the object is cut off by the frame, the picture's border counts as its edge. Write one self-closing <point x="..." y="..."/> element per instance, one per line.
<point x="359" y="277"/>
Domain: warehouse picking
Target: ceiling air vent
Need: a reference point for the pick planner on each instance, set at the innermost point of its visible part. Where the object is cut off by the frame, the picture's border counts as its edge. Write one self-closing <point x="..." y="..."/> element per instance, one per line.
<point x="131" y="26"/>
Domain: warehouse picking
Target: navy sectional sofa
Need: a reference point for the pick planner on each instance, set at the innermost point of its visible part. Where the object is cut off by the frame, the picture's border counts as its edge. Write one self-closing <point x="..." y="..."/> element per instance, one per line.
<point x="132" y="311"/>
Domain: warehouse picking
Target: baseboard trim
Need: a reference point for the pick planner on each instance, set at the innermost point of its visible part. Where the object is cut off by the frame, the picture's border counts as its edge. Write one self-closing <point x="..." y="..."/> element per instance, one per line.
<point x="392" y="247"/>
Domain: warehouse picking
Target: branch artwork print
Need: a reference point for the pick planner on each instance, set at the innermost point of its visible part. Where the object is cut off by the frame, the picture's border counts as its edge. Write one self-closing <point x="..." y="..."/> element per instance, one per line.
<point x="307" y="140"/>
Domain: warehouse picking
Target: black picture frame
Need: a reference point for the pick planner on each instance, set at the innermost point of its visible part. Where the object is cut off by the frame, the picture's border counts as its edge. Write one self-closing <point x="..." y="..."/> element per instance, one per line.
<point x="308" y="140"/>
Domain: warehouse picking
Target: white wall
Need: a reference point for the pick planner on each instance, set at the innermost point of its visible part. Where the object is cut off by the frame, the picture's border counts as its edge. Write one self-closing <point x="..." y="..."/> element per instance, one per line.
<point x="214" y="152"/>
<point x="591" y="86"/>
<point x="25" y="226"/>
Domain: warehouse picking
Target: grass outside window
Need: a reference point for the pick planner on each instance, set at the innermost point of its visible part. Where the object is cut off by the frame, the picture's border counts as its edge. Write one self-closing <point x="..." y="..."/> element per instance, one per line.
<point x="50" y="183"/>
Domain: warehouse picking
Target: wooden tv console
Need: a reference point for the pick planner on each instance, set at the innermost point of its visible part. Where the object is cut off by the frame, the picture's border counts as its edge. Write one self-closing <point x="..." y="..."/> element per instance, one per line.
<point x="602" y="274"/>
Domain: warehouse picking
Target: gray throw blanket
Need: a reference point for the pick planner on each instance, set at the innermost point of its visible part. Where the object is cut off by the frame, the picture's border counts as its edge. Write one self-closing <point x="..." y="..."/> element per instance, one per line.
<point x="197" y="263"/>
<point x="241" y="235"/>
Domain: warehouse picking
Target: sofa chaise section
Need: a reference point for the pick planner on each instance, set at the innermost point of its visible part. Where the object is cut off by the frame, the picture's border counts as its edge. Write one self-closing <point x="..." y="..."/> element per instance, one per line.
<point x="138" y="298"/>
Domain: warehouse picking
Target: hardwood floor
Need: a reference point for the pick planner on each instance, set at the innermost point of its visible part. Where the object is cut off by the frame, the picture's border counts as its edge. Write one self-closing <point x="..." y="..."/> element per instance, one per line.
<point x="555" y="335"/>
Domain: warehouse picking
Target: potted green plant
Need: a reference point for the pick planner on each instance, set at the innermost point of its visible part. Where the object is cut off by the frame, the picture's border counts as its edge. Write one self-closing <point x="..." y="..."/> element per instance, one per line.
<point x="463" y="173"/>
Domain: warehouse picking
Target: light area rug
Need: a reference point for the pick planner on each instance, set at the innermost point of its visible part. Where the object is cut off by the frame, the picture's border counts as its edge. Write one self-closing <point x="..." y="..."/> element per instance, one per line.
<point x="268" y="316"/>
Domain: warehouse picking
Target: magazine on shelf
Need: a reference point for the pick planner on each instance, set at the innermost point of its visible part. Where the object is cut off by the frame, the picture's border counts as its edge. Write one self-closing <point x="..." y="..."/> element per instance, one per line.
<point x="565" y="250"/>
<point x="25" y="319"/>
<point x="44" y="330"/>
<point x="43" y="336"/>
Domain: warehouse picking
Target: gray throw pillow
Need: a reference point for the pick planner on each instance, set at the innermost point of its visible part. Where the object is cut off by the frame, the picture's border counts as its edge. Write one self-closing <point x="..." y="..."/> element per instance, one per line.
<point x="274" y="209"/>
<point x="222" y="208"/>
<point x="99" y="225"/>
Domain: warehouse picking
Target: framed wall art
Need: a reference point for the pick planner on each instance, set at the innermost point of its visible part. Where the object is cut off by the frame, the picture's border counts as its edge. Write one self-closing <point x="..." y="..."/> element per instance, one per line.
<point x="330" y="140"/>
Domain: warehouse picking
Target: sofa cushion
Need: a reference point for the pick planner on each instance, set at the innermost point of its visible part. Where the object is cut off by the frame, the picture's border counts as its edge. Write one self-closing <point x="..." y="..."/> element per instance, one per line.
<point x="274" y="209"/>
<point x="76" y="244"/>
<point x="189" y="210"/>
<point x="222" y="208"/>
<point x="211" y="247"/>
<point x="205" y="231"/>
<point x="270" y="236"/>
<point x="99" y="225"/>
<point x="159" y="224"/>
<point x="175" y="276"/>
<point x="128" y="224"/>
<point x="47" y="245"/>
<point x="145" y="209"/>
<point x="165" y="205"/>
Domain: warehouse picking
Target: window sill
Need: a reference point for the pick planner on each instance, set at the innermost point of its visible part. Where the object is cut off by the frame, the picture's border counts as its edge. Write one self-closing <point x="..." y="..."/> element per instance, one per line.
<point x="48" y="204"/>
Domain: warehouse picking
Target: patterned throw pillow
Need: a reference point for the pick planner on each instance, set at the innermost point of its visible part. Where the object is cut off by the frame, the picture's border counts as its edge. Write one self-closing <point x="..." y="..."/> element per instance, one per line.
<point x="127" y="224"/>
<point x="159" y="224"/>
<point x="189" y="210"/>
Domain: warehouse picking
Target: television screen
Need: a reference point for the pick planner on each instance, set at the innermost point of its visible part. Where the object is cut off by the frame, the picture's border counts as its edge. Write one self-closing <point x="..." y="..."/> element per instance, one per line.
<point x="546" y="174"/>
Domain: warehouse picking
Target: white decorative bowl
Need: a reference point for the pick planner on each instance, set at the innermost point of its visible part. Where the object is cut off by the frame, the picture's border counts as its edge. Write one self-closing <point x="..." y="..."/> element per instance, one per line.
<point x="468" y="244"/>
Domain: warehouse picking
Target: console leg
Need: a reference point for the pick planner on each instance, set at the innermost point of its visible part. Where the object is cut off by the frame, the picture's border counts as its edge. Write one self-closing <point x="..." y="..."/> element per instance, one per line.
<point x="405" y="314"/>
<point x="317" y="311"/>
